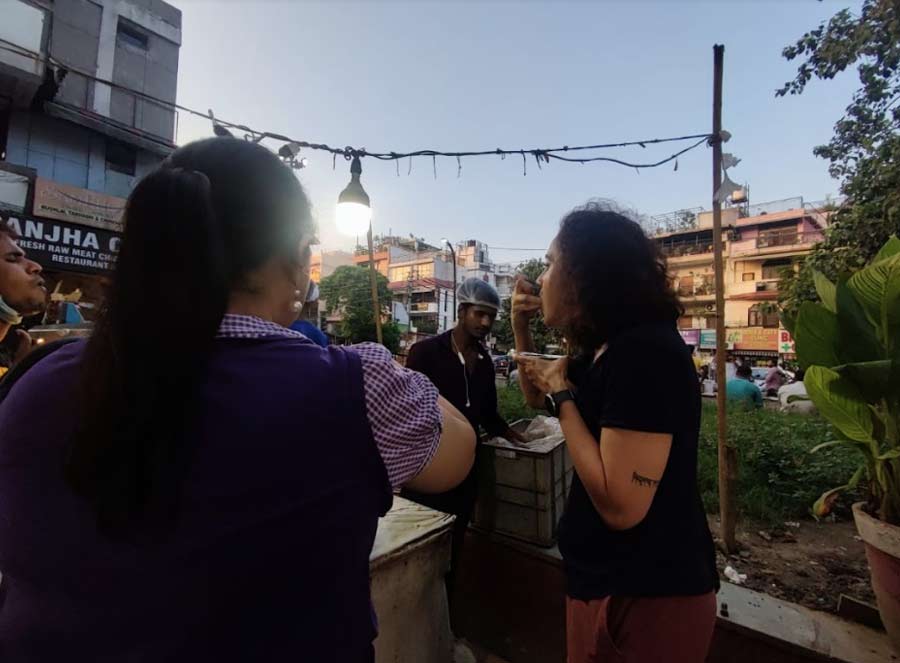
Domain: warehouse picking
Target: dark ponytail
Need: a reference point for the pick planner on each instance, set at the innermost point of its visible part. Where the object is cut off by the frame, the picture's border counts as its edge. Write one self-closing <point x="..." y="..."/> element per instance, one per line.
<point x="216" y="210"/>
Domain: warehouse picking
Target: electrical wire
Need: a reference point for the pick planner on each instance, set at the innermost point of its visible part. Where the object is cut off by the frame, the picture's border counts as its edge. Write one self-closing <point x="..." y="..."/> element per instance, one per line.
<point x="540" y="155"/>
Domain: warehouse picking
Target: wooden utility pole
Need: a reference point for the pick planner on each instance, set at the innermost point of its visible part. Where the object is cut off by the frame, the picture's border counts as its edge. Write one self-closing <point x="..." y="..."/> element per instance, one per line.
<point x="727" y="455"/>
<point x="374" y="280"/>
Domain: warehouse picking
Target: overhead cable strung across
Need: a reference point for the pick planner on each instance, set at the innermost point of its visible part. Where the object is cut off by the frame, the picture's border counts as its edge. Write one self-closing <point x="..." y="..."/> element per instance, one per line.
<point x="540" y="155"/>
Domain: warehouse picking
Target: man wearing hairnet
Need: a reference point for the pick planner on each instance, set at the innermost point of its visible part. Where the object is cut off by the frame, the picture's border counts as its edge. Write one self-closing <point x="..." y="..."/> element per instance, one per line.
<point x="462" y="369"/>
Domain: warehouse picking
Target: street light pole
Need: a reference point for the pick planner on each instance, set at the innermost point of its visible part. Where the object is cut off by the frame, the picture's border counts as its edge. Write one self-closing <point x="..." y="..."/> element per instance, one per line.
<point x="453" y="256"/>
<point x="374" y="281"/>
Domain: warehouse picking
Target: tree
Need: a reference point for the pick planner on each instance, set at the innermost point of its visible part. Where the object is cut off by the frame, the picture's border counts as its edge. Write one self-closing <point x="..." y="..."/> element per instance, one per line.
<point x="542" y="334"/>
<point x="864" y="152"/>
<point x="348" y="292"/>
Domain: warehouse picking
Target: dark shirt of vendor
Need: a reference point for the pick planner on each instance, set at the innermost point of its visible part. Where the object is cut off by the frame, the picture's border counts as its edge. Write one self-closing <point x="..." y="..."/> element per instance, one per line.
<point x="458" y="363"/>
<point x="462" y="369"/>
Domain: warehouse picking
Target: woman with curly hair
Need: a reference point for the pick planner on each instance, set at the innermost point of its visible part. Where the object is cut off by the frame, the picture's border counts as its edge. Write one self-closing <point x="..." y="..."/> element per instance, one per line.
<point x="639" y="557"/>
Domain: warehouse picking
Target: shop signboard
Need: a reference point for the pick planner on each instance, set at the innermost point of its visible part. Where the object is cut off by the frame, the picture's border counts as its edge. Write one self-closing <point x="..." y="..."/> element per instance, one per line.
<point x="754" y="338"/>
<point x="59" y="246"/>
<point x="707" y="339"/>
<point x="690" y="336"/>
<point x="785" y="342"/>
<point x="53" y="200"/>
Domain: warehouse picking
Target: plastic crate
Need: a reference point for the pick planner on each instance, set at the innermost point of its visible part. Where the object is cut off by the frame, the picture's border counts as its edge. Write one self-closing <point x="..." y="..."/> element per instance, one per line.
<point x="522" y="489"/>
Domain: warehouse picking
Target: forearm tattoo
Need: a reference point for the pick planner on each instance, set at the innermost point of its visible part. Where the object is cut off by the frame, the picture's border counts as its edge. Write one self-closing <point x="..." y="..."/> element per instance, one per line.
<point x="647" y="482"/>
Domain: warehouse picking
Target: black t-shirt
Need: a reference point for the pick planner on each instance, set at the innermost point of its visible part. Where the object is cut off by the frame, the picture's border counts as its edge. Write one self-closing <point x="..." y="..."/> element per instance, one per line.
<point x="645" y="381"/>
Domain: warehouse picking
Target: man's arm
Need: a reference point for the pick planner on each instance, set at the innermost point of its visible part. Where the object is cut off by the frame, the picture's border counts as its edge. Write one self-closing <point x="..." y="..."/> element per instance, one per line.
<point x="417" y="359"/>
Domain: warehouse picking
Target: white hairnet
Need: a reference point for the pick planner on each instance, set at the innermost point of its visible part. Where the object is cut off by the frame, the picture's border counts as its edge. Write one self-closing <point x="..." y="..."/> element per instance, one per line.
<point x="478" y="292"/>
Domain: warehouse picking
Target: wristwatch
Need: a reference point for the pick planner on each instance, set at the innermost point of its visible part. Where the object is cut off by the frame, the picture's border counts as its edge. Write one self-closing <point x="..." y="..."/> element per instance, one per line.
<point x="553" y="401"/>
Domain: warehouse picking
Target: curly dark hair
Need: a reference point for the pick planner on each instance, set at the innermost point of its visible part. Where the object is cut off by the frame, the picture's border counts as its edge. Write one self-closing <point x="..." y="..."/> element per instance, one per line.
<point x="617" y="276"/>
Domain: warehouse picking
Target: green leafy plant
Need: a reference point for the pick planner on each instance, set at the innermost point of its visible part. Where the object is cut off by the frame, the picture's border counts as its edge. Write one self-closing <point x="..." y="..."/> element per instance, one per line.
<point x="348" y="292"/>
<point x="864" y="151"/>
<point x="849" y="345"/>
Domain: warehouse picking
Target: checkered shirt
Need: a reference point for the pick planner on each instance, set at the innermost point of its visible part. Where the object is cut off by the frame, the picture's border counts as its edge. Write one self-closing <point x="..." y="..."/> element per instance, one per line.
<point x="401" y="404"/>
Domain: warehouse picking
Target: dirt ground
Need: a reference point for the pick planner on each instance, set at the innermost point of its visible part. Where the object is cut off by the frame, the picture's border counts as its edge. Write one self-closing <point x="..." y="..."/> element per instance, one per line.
<point x="803" y="562"/>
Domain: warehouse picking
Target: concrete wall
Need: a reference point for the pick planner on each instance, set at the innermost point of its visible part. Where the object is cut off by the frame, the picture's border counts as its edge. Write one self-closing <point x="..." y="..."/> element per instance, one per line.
<point x="85" y="34"/>
<point x="154" y="71"/>
<point x="75" y="41"/>
<point x="69" y="154"/>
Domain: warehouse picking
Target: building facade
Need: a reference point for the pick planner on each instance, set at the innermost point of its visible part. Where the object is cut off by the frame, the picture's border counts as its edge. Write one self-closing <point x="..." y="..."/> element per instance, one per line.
<point x="757" y="249"/>
<point x="86" y="88"/>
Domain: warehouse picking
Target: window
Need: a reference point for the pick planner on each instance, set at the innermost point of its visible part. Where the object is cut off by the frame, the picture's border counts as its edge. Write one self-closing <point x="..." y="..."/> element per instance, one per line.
<point x="772" y="268"/>
<point x="445" y="306"/>
<point x="762" y="316"/>
<point x="748" y="276"/>
<point x="131" y="35"/>
<point x="120" y="157"/>
<point x="23" y="25"/>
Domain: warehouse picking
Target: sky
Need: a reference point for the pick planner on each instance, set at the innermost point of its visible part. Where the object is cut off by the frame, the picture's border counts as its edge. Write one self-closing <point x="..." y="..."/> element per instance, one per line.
<point x="453" y="76"/>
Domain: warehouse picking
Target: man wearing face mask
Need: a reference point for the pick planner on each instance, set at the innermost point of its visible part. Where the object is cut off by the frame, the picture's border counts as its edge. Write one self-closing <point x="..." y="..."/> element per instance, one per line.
<point x="462" y="369"/>
<point x="22" y="290"/>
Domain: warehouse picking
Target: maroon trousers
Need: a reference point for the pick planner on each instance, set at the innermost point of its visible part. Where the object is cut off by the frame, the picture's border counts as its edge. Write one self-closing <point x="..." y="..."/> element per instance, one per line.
<point x="674" y="629"/>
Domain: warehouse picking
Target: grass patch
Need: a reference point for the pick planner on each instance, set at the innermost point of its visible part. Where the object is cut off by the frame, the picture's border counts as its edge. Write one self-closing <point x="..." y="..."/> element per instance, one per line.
<point x="511" y="405"/>
<point x="778" y="478"/>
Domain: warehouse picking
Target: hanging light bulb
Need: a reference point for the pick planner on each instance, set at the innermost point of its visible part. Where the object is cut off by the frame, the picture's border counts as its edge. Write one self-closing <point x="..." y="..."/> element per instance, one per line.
<point x="353" y="210"/>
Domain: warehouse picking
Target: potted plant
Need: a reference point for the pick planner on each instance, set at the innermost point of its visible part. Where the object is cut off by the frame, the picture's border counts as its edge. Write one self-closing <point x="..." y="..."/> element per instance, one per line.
<point x="849" y="345"/>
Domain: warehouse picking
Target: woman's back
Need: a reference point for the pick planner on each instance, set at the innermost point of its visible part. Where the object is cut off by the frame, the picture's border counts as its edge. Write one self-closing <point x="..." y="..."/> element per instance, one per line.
<point x="268" y="557"/>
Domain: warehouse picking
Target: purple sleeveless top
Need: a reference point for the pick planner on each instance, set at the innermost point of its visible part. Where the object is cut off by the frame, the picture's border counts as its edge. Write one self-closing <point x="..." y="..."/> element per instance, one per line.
<point x="269" y="559"/>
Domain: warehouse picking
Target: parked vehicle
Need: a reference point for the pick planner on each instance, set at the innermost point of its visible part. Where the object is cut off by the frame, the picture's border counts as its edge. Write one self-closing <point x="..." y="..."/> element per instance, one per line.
<point x="502" y="365"/>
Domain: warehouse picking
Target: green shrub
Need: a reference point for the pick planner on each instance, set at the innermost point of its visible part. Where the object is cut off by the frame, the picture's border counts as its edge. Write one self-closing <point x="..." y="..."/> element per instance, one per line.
<point x="778" y="477"/>
<point x="511" y="404"/>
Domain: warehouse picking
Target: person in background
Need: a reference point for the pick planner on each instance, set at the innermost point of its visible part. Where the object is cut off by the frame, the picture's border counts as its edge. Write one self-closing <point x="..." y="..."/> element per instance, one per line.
<point x="207" y="486"/>
<point x="731" y="366"/>
<point x="793" y="396"/>
<point x="462" y="369"/>
<point x="741" y="389"/>
<point x="638" y="554"/>
<point x="695" y="356"/>
<point x="775" y="378"/>
<point x="703" y="373"/>
<point x="22" y="293"/>
<point x="304" y="326"/>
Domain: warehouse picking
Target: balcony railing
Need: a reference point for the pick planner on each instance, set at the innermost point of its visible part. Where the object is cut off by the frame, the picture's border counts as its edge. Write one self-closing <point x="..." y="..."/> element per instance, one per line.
<point x="701" y="289"/>
<point x="787" y="238"/>
<point x="676" y="249"/>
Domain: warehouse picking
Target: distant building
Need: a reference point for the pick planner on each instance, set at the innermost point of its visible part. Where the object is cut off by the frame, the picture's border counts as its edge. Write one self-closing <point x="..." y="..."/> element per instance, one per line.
<point x="73" y="146"/>
<point x="424" y="284"/>
<point x="759" y="243"/>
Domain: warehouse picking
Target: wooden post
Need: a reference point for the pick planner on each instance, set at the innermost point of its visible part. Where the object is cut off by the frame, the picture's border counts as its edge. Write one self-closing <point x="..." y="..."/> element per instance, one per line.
<point x="374" y="280"/>
<point x="727" y="455"/>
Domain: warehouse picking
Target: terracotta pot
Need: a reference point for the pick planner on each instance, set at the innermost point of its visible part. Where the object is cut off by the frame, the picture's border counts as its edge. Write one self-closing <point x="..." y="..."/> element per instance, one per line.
<point x="883" y="553"/>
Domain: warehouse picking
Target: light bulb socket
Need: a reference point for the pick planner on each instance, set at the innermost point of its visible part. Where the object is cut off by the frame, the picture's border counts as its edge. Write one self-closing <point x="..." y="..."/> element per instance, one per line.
<point x="354" y="192"/>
